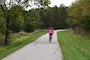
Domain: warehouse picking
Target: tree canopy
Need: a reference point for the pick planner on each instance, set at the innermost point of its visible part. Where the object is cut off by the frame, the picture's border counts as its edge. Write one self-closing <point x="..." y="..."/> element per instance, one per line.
<point x="13" y="15"/>
<point x="79" y="15"/>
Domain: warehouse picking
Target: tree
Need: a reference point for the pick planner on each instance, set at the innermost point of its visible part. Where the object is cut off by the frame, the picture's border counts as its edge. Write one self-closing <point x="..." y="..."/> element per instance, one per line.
<point x="79" y="15"/>
<point x="6" y="8"/>
<point x="16" y="19"/>
<point x="2" y="23"/>
<point x="32" y="18"/>
<point x="54" y="16"/>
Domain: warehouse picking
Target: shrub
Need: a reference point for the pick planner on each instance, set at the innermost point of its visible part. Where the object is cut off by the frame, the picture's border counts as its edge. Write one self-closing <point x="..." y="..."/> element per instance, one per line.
<point x="29" y="28"/>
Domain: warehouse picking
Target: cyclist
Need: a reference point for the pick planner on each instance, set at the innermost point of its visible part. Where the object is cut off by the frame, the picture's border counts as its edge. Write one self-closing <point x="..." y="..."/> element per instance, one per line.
<point x="51" y="32"/>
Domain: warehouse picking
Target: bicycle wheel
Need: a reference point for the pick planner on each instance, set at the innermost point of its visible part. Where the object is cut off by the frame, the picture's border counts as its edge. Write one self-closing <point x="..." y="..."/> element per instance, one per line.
<point x="50" y="38"/>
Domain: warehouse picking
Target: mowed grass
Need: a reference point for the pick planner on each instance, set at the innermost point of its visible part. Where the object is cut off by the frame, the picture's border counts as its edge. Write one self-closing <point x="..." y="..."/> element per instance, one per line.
<point x="74" y="46"/>
<point x="19" y="43"/>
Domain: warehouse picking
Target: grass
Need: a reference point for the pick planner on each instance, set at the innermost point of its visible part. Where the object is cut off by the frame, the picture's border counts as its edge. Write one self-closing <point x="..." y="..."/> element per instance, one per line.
<point x="74" y="46"/>
<point x="19" y="43"/>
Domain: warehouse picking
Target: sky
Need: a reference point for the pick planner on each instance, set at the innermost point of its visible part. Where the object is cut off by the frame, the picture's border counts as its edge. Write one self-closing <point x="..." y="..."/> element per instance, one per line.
<point x="59" y="2"/>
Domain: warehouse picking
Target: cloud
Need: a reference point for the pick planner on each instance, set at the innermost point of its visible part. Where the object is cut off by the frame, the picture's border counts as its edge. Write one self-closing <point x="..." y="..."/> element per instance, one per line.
<point x="58" y="2"/>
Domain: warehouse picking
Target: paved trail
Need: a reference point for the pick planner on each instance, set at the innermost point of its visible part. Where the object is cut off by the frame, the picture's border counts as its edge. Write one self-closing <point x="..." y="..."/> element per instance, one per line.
<point x="41" y="49"/>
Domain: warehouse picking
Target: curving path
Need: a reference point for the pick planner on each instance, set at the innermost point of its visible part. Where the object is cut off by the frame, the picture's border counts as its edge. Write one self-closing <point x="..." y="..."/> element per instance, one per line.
<point x="41" y="49"/>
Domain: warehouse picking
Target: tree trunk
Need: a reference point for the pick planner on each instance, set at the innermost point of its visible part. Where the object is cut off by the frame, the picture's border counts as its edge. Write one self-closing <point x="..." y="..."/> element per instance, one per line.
<point x="7" y="31"/>
<point x="6" y="14"/>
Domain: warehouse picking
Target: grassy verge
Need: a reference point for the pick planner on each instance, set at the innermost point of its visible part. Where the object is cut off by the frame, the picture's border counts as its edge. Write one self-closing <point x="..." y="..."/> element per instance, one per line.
<point x="74" y="47"/>
<point x="19" y="43"/>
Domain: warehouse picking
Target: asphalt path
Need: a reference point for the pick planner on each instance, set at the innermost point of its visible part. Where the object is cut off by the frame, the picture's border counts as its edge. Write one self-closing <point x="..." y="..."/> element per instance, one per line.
<point x="41" y="49"/>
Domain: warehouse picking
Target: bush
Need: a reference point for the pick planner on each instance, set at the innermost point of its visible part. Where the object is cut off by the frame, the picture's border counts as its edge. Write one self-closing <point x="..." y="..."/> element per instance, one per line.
<point x="29" y="28"/>
<point x="15" y="28"/>
<point x="1" y="39"/>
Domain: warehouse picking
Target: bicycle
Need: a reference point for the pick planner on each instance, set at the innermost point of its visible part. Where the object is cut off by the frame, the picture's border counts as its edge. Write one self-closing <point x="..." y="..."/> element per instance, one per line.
<point x="50" y="38"/>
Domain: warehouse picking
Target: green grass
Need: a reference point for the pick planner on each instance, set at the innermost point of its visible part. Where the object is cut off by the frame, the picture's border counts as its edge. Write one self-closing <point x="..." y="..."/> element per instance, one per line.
<point x="19" y="43"/>
<point x="74" y="46"/>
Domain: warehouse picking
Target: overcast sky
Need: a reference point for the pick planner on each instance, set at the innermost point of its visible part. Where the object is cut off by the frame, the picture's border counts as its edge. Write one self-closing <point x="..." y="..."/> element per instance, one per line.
<point x="58" y="2"/>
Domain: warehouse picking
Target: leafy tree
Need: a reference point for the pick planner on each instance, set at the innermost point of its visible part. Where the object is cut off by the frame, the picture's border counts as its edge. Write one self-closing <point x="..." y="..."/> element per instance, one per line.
<point x="79" y="15"/>
<point x="2" y="23"/>
<point x="6" y="8"/>
<point x="16" y="19"/>
<point x="35" y="18"/>
<point x="28" y="27"/>
<point x="55" y="17"/>
<point x="42" y="14"/>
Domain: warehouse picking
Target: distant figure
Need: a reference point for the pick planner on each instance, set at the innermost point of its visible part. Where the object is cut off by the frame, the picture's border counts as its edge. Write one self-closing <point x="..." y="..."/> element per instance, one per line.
<point x="51" y="32"/>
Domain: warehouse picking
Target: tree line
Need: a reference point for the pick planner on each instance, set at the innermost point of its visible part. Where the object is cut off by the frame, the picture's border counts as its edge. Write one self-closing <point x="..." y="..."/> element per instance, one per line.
<point x="12" y="18"/>
<point x="16" y="17"/>
<point x="39" y="18"/>
<point x="79" y="15"/>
